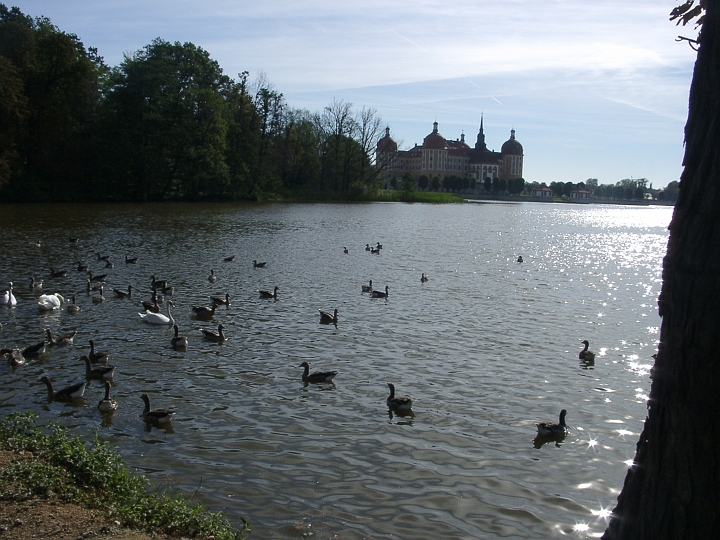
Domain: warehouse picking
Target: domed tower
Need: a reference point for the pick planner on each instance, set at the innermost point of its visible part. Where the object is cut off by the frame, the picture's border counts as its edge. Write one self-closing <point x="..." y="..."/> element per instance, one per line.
<point x="512" y="157"/>
<point x="434" y="152"/>
<point x="386" y="153"/>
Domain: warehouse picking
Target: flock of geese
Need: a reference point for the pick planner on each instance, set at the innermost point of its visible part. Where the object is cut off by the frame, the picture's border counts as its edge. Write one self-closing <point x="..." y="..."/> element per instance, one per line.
<point x="96" y="362"/>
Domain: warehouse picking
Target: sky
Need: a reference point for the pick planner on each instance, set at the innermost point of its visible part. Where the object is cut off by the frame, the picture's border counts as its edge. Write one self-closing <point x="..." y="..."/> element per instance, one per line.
<point x="593" y="88"/>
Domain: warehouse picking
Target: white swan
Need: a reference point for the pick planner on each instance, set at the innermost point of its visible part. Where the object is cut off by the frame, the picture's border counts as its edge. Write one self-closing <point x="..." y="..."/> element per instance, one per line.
<point x="8" y="299"/>
<point x="50" y="302"/>
<point x="158" y="318"/>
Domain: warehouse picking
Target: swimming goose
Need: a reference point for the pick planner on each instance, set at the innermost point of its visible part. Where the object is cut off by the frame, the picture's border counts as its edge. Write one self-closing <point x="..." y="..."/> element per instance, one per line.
<point x="204" y="312"/>
<point x="368" y="287"/>
<point x="74" y="391"/>
<point x="73" y="239"/>
<point x="100" y="373"/>
<point x="73" y="308"/>
<point x="34" y="350"/>
<point x="158" y="318"/>
<point x="60" y="341"/>
<point x="168" y="291"/>
<point x="93" y="286"/>
<point x="95" y="278"/>
<point x="231" y="258"/>
<point x="129" y="260"/>
<point x="152" y="305"/>
<point x="586" y="355"/>
<point x="155" y="416"/>
<point x="50" y="302"/>
<point x="82" y="267"/>
<point x="14" y="357"/>
<point x="259" y="264"/>
<point x="109" y="264"/>
<point x="158" y="283"/>
<point x="97" y="357"/>
<point x="318" y="376"/>
<point x="179" y="343"/>
<point x="424" y="278"/>
<point x="551" y="429"/>
<point x="220" y="301"/>
<point x="211" y="335"/>
<point x="99" y="298"/>
<point x="122" y="293"/>
<point x="269" y="294"/>
<point x="326" y="317"/>
<point x="35" y="283"/>
<point x="8" y="299"/>
<point x="102" y="257"/>
<point x="400" y="403"/>
<point x="57" y="273"/>
<point x="380" y="294"/>
<point x="212" y="278"/>
<point x="107" y="404"/>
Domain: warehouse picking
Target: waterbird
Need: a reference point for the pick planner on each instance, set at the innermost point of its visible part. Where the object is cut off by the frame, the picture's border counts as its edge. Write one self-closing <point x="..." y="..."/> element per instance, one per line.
<point x="367" y="247"/>
<point x="97" y="357"/>
<point x="400" y="403"/>
<point x="33" y="351"/>
<point x="130" y="260"/>
<point x="345" y="250"/>
<point x="259" y="264"/>
<point x="8" y="299"/>
<point x="99" y="298"/>
<point x="520" y="259"/>
<point x="368" y="287"/>
<point x="82" y="267"/>
<point x="231" y="258"/>
<point x="424" y="278"/>
<point x="93" y="286"/>
<point x="375" y="251"/>
<point x="74" y="391"/>
<point x="220" y="301"/>
<point x="212" y="278"/>
<point x="107" y="404"/>
<point x="95" y="278"/>
<point x="57" y="273"/>
<point x="35" y="283"/>
<point x="317" y="376"/>
<point x="327" y="317"/>
<point x="15" y="357"/>
<point x="158" y="283"/>
<point x="211" y="335"/>
<point x="100" y="373"/>
<point x="152" y="305"/>
<point x="155" y="416"/>
<point x="380" y="294"/>
<point x="585" y="354"/>
<point x="50" y="302"/>
<point x="73" y="308"/>
<point x="63" y="340"/>
<point x="204" y="312"/>
<point x="158" y="318"/>
<point x="179" y="343"/>
<point x="551" y="429"/>
<point x="122" y="293"/>
<point x="102" y="257"/>
<point x="269" y="294"/>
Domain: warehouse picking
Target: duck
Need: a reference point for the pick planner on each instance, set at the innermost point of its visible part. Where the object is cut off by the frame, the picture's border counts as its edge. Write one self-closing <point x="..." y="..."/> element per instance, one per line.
<point x="212" y="278"/>
<point x="586" y="355"/>
<point x="269" y="294"/>
<point x="211" y="335"/>
<point x="99" y="298"/>
<point x="93" y="286"/>
<point x="519" y="259"/>
<point x="220" y="301"/>
<point x="101" y="373"/>
<point x="15" y="357"/>
<point x="380" y="294"/>
<point x="97" y="357"/>
<point x="379" y="245"/>
<point x="50" y="302"/>
<point x="122" y="293"/>
<point x="107" y="404"/>
<point x="155" y="416"/>
<point x="8" y="299"/>
<point x="57" y="273"/>
<point x="375" y="251"/>
<point x="367" y="288"/>
<point x="551" y="429"/>
<point x="73" y="239"/>
<point x="73" y="308"/>
<point x="35" y="284"/>
<point x="129" y="260"/>
<point x="179" y="343"/>
<point x="36" y="350"/>
<point x="82" y="267"/>
<point x="96" y="279"/>
<point x="158" y="283"/>
<point x="326" y="317"/>
<point x="38" y="244"/>
<point x="345" y="250"/>
<point x="259" y="264"/>
<point x="204" y="312"/>
<point x="424" y="278"/>
<point x="158" y="318"/>
<point x="231" y="258"/>
<point x="60" y="341"/>
<point x="74" y="391"/>
<point x="318" y="376"/>
<point x="367" y="247"/>
<point x="400" y="403"/>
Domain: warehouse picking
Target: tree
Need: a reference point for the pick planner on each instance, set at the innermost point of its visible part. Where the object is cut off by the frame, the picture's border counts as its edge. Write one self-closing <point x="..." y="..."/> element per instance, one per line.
<point x="408" y="182"/>
<point x="673" y="488"/>
<point x="423" y="182"/>
<point x="435" y="183"/>
<point x="487" y="184"/>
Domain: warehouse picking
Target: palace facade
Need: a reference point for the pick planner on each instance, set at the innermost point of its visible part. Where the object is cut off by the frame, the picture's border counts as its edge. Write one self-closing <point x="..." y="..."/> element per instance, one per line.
<point x="438" y="156"/>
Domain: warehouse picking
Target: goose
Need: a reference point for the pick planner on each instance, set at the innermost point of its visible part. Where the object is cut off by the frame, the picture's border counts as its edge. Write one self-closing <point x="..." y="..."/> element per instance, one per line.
<point x="8" y="299"/>
<point x="107" y="404"/>
<point x="129" y="260"/>
<point x="93" y="286"/>
<point x="380" y="294"/>
<point x="122" y="293"/>
<point x="95" y="278"/>
<point x="367" y="247"/>
<point x="70" y="393"/>
<point x="220" y="301"/>
<point x="109" y="264"/>
<point x="152" y="305"/>
<point x="326" y="317"/>
<point x="73" y="239"/>
<point x="158" y="283"/>
<point x="231" y="258"/>
<point x="179" y="343"/>
<point x="368" y="287"/>
<point x="401" y="403"/>
<point x="318" y="376"/>
<point x="155" y="416"/>
<point x="100" y="373"/>
<point x="168" y="291"/>
<point x="99" y="298"/>
<point x="50" y="302"/>
<point x="211" y="335"/>
<point x="212" y="278"/>
<point x="259" y="264"/>
<point x="35" y="283"/>
<point x="269" y="294"/>
<point x="60" y="341"/>
<point x="15" y="357"/>
<point x="97" y="357"/>
<point x="102" y="257"/>
<point x="57" y="273"/>
<point x="586" y="355"/>
<point x="424" y="278"/>
<point x="204" y="312"/>
<point x="158" y="318"/>
<point x="551" y="429"/>
<point x="34" y="351"/>
<point x="345" y="250"/>
<point x="73" y="308"/>
<point x="82" y="267"/>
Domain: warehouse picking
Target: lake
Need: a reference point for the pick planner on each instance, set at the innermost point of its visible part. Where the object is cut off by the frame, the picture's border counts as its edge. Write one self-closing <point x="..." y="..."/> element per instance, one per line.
<point x="486" y="348"/>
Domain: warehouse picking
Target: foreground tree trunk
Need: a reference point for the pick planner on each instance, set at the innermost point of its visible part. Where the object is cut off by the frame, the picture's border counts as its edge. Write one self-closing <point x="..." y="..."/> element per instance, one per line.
<point x="673" y="488"/>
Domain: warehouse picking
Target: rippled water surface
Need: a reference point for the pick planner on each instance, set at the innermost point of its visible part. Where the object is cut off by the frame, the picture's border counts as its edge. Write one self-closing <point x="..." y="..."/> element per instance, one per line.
<point x="486" y="348"/>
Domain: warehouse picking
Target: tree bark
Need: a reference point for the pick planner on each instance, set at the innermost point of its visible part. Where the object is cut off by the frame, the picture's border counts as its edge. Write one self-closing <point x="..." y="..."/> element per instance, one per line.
<point x="673" y="488"/>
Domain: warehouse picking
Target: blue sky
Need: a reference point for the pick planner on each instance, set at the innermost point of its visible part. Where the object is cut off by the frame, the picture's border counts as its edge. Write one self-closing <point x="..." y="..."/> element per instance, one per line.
<point x="593" y="88"/>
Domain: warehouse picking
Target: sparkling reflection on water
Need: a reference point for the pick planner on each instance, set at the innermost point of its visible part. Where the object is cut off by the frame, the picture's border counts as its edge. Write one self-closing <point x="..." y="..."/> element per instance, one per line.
<point x="486" y="348"/>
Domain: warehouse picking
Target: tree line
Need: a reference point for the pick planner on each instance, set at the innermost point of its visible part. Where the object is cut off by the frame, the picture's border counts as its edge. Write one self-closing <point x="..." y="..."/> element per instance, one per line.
<point x="166" y="124"/>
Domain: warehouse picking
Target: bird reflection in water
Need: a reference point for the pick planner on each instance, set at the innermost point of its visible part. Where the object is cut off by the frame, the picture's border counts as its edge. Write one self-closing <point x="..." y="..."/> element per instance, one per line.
<point x="407" y="416"/>
<point x="541" y="440"/>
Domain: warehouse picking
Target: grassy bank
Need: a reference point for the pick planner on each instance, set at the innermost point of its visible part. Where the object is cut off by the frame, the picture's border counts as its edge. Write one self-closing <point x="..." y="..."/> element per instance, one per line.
<point x="53" y="463"/>
<point x="378" y="195"/>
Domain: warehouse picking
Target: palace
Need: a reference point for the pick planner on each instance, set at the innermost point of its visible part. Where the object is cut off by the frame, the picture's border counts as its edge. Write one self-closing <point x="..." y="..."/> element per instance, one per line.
<point x="441" y="157"/>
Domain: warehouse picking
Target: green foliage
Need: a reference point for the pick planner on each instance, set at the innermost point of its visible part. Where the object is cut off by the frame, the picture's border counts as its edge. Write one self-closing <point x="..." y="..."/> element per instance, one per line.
<point x="53" y="462"/>
<point x="385" y="195"/>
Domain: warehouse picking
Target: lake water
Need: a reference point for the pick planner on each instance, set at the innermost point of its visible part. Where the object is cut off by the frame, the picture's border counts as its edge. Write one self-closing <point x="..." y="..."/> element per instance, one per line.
<point x="486" y="348"/>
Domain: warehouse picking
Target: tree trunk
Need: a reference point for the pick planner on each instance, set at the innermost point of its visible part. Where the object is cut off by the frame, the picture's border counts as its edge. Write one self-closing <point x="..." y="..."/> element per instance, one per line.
<point x="673" y="488"/>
